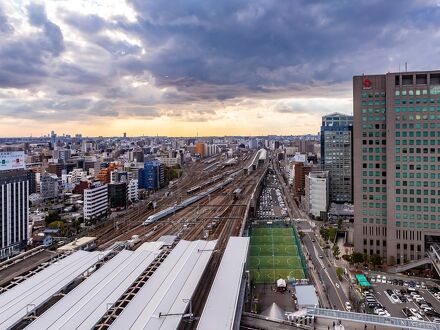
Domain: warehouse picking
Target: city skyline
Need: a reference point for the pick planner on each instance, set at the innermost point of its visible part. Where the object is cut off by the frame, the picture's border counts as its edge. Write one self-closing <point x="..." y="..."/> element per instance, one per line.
<point x="227" y="68"/>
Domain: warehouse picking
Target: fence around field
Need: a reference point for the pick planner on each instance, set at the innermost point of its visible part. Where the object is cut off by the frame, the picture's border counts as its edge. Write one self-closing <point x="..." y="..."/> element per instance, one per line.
<point x="301" y="253"/>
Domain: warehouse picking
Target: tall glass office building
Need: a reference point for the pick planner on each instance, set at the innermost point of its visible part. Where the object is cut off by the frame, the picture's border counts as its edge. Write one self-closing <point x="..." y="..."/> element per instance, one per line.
<point x="396" y="148"/>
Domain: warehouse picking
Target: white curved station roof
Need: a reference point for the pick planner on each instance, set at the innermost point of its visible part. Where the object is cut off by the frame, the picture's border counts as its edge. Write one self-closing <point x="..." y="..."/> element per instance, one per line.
<point x="168" y="290"/>
<point x="36" y="290"/>
<point x="221" y="305"/>
<point x="84" y="306"/>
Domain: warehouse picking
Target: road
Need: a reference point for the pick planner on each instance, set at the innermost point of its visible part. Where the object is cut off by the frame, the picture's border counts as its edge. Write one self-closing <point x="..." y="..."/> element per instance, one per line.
<point x="322" y="267"/>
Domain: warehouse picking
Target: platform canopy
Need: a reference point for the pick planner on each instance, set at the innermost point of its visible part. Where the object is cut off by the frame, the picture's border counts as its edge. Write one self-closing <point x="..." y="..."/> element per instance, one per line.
<point x="222" y="303"/>
<point x="165" y="297"/>
<point x="84" y="306"/>
<point x="27" y="296"/>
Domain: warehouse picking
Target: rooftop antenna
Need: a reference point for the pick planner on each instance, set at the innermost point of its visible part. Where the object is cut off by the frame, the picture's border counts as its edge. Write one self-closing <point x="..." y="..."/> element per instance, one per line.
<point x="406" y="66"/>
<point x="399" y="66"/>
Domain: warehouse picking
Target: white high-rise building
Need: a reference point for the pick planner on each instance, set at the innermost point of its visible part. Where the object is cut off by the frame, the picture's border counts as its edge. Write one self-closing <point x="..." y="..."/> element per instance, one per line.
<point x="316" y="193"/>
<point x="95" y="200"/>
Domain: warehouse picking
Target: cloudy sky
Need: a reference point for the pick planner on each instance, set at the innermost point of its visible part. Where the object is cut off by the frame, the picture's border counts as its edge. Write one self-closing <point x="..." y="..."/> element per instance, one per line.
<point x="182" y="67"/>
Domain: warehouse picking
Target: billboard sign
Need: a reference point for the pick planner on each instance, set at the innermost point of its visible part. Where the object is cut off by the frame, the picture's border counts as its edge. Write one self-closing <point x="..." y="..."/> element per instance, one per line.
<point x="12" y="160"/>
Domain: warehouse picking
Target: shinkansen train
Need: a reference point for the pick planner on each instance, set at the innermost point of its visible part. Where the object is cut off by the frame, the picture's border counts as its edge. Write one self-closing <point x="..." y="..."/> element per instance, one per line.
<point x="171" y="210"/>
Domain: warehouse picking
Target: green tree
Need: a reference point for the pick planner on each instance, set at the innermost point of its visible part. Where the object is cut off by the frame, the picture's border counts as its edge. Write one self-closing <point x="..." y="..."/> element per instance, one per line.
<point x="51" y="217"/>
<point x="392" y="261"/>
<point x="339" y="273"/>
<point x="324" y="233"/>
<point x="301" y="234"/>
<point x="357" y="258"/>
<point x="336" y="251"/>
<point x="346" y="257"/>
<point x="339" y="222"/>
<point x="375" y="260"/>
<point x="332" y="234"/>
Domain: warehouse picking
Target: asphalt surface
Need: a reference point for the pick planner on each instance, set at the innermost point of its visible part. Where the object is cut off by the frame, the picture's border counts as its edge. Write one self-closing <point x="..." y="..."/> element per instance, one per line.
<point x="395" y="308"/>
<point x="325" y="270"/>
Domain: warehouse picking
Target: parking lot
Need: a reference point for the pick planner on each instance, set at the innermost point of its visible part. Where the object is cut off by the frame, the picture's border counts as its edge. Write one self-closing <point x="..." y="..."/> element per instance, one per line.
<point x="405" y="299"/>
<point x="271" y="203"/>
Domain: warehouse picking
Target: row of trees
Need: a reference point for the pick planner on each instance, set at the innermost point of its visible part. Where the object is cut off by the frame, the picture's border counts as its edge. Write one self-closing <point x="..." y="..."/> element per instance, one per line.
<point x="357" y="258"/>
<point x="328" y="234"/>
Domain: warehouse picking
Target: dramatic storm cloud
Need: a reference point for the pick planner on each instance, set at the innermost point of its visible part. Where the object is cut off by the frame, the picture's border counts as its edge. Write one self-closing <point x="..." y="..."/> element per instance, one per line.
<point x="212" y="67"/>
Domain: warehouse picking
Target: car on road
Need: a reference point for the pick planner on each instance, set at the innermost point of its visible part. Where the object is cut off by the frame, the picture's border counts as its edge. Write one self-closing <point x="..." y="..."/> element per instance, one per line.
<point x="313" y="240"/>
<point x="384" y="279"/>
<point x="347" y="306"/>
<point x="321" y="256"/>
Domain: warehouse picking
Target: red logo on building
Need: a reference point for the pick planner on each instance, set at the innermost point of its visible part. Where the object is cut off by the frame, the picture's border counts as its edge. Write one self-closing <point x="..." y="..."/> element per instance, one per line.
<point x="366" y="83"/>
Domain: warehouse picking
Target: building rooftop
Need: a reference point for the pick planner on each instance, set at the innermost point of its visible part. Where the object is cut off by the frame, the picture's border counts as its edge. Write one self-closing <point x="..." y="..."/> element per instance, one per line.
<point x="163" y="299"/>
<point x="77" y="244"/>
<point x="27" y="296"/>
<point x="306" y="296"/>
<point x="221" y="305"/>
<point x="84" y="306"/>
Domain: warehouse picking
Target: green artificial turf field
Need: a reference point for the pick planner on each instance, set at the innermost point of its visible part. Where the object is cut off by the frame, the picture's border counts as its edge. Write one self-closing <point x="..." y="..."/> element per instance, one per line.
<point x="273" y="254"/>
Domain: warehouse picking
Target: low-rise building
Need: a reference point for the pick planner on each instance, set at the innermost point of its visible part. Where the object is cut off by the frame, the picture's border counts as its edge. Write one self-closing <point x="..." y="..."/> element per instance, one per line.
<point x="49" y="186"/>
<point x="132" y="191"/>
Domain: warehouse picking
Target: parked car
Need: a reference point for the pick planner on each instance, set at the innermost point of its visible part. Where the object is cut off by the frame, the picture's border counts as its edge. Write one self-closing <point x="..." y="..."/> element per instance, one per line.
<point x="406" y="312"/>
<point x="415" y="313"/>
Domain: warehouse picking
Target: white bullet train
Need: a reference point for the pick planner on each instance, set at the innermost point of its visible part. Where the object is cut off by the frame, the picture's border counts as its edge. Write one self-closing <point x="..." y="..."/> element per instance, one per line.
<point x="171" y="210"/>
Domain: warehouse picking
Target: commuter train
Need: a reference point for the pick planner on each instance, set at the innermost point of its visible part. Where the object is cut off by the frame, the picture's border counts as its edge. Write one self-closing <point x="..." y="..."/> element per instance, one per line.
<point x="171" y="210"/>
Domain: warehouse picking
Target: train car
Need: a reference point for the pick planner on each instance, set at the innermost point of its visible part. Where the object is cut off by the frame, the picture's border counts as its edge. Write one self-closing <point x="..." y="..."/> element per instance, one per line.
<point x="193" y="189"/>
<point x="170" y="210"/>
<point x="236" y="193"/>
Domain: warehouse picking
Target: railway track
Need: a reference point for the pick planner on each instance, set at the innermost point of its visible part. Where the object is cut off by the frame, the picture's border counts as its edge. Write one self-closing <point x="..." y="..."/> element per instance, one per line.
<point x="131" y="222"/>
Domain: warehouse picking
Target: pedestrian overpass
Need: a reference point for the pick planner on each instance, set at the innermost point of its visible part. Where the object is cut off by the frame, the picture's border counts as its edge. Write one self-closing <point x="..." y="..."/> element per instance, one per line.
<point x="368" y="319"/>
<point x="432" y="257"/>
